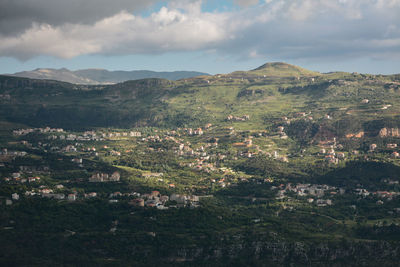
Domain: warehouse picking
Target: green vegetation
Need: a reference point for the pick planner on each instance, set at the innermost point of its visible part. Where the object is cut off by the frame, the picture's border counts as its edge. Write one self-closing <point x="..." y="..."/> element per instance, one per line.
<point x="269" y="167"/>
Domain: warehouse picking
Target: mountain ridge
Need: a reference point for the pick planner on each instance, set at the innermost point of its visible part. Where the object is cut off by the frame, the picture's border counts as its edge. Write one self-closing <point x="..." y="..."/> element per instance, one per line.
<point x="262" y="93"/>
<point x="95" y="76"/>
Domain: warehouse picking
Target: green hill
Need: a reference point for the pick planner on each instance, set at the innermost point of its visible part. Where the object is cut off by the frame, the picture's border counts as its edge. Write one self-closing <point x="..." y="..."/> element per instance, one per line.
<point x="280" y="69"/>
<point x="273" y="90"/>
<point x="290" y="168"/>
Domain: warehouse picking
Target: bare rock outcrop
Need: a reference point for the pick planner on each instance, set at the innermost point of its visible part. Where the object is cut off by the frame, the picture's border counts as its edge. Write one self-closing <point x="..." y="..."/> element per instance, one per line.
<point x="389" y="132"/>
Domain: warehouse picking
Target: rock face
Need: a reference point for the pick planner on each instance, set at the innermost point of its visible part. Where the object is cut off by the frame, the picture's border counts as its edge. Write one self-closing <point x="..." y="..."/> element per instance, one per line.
<point x="389" y="132"/>
<point x="265" y="253"/>
<point x="356" y="135"/>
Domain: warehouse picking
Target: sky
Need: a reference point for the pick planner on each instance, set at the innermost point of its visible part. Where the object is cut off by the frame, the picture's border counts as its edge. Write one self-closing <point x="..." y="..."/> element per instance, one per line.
<point x="213" y="36"/>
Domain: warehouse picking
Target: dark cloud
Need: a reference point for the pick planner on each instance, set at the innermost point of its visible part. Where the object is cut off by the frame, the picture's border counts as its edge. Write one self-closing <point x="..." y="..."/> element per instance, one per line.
<point x="18" y="15"/>
<point x="285" y="29"/>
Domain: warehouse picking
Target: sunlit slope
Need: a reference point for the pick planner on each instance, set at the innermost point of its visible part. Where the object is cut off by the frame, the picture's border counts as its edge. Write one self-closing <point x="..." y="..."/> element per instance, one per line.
<point x="266" y="94"/>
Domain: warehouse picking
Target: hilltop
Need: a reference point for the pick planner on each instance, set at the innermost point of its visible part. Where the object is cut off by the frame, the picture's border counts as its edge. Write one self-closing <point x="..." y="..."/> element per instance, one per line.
<point x="281" y="69"/>
<point x="102" y="76"/>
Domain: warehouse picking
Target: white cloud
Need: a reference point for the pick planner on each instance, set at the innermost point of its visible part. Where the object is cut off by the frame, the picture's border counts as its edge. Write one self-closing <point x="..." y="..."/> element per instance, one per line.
<point x="166" y="30"/>
<point x="287" y="29"/>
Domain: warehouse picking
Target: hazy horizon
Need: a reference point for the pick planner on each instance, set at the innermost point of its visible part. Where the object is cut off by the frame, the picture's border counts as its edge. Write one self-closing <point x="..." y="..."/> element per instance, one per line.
<point x="206" y="36"/>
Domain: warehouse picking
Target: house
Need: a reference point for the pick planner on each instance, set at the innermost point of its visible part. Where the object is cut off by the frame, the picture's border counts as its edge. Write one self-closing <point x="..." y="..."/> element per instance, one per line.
<point x="235" y="118"/>
<point x="383" y="194"/>
<point x="115" y="177"/>
<point x="135" y="134"/>
<point x="98" y="177"/>
<point x="164" y="199"/>
<point x="324" y="202"/>
<point x="137" y="202"/>
<point x="391" y="145"/>
<point x="248" y="142"/>
<point x="91" y="195"/>
<point x="155" y="194"/>
<point x="77" y="160"/>
<point x="198" y="131"/>
<point x="71" y="197"/>
<point x="15" y="196"/>
<point x="194" y="198"/>
<point x="180" y="199"/>
<point x="33" y="179"/>
<point x="341" y="155"/>
<point x="46" y="191"/>
<point x="70" y="148"/>
<point x="152" y="174"/>
<point x="116" y="194"/>
<point x="331" y="159"/>
<point x="150" y="203"/>
<point x="372" y="147"/>
<point x="104" y="177"/>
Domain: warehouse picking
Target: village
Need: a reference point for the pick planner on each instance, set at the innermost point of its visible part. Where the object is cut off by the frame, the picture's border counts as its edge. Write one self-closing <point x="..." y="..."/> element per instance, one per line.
<point x="198" y="149"/>
<point x="154" y="199"/>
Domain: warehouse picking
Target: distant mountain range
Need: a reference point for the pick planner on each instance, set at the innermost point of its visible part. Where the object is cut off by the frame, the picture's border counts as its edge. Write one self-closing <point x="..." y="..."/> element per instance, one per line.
<point x="273" y="90"/>
<point x="102" y="76"/>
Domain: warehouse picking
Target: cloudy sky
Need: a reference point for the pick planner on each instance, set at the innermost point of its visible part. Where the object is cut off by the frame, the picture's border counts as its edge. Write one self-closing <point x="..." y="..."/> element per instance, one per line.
<point x="215" y="36"/>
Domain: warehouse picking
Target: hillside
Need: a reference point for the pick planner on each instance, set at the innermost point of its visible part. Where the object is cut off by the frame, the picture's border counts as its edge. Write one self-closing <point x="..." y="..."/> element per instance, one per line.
<point x="102" y="76"/>
<point x="277" y="166"/>
<point x="273" y="90"/>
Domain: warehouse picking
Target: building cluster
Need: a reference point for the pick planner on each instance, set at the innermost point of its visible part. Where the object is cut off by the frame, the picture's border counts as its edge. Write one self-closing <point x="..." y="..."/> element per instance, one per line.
<point x="328" y="151"/>
<point x="105" y="177"/>
<point x="152" y="199"/>
<point x="40" y="130"/>
<point x="86" y="136"/>
<point x="6" y="153"/>
<point x="310" y="190"/>
<point x="380" y="194"/>
<point x="27" y="174"/>
<point x="122" y="134"/>
<point x="238" y="118"/>
<point x="190" y="131"/>
<point x="155" y="199"/>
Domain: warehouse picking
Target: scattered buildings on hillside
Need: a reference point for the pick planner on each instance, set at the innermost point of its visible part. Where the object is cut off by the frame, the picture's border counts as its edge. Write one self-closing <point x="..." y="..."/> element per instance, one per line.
<point x="105" y="177"/>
